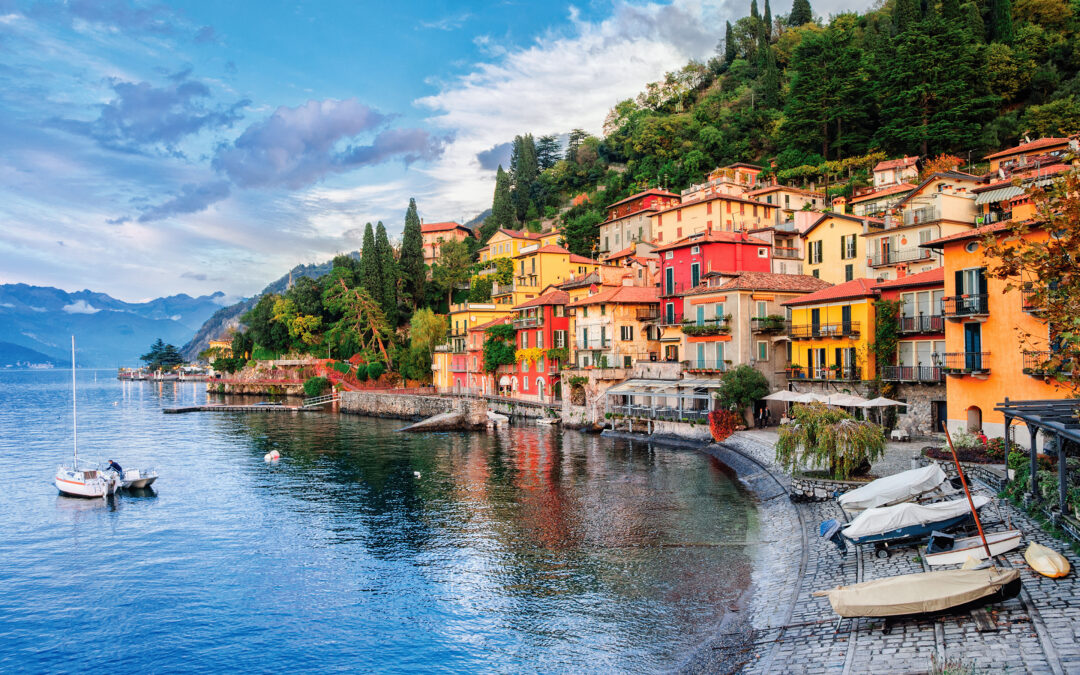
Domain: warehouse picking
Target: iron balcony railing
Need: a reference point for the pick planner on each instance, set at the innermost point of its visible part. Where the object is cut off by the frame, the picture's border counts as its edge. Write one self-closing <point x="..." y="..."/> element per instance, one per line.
<point x="719" y="326"/>
<point x="648" y="313"/>
<point x="924" y="323"/>
<point x="529" y="322"/>
<point x="709" y="365"/>
<point x="825" y="330"/>
<point x="899" y="256"/>
<point x="673" y="319"/>
<point x="912" y="374"/>
<point x="1043" y="363"/>
<point x="964" y="362"/>
<point x="671" y="290"/>
<point x="926" y="214"/>
<point x="849" y="373"/>
<point x="965" y="305"/>
<point x="1027" y="299"/>
<point x="786" y="253"/>
<point x="769" y="324"/>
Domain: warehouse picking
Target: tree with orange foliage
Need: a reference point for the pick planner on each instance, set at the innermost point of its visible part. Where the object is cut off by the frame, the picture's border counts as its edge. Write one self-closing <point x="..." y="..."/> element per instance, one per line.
<point x="939" y="164"/>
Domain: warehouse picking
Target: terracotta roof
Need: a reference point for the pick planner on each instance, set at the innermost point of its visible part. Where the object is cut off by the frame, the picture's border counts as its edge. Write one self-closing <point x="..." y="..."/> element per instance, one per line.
<point x="901" y="163"/>
<point x="550" y="248"/>
<point x="622" y="294"/>
<point x="489" y="324"/>
<point x="786" y="188"/>
<point x="934" y="277"/>
<point x="644" y="193"/>
<point x="552" y="298"/>
<point x="973" y="233"/>
<point x="427" y="228"/>
<point x="856" y="288"/>
<point x="1028" y="147"/>
<point x="844" y="216"/>
<point x="884" y="192"/>
<point x="574" y="258"/>
<point x="716" y="236"/>
<point x="519" y="234"/>
<point x="769" y="281"/>
<point x="713" y="198"/>
<point x="1024" y="175"/>
<point x="954" y="175"/>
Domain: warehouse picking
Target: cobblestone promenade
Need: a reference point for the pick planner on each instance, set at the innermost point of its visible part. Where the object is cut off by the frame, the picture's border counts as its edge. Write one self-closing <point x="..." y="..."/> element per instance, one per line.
<point x="1035" y="633"/>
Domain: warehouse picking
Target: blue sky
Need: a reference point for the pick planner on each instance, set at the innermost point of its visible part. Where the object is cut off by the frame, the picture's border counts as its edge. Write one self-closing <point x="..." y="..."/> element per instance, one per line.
<point x="151" y="148"/>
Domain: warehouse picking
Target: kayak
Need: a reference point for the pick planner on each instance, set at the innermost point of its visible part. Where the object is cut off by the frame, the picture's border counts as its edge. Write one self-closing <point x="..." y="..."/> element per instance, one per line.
<point x="1046" y="561"/>
<point x="910" y="594"/>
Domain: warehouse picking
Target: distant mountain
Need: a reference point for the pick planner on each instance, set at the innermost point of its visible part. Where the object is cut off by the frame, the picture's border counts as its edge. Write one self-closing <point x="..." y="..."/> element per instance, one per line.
<point x="476" y="222"/>
<point x="17" y="356"/>
<point x="228" y="318"/>
<point x="108" y="332"/>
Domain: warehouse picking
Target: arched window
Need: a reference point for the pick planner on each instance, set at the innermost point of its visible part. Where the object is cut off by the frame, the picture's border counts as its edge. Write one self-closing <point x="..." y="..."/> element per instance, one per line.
<point x="974" y="419"/>
<point x="540" y="387"/>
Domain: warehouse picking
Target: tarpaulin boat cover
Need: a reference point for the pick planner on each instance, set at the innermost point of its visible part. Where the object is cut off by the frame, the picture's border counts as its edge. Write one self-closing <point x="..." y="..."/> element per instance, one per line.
<point x="898" y="487"/>
<point x="917" y="593"/>
<point x="889" y="518"/>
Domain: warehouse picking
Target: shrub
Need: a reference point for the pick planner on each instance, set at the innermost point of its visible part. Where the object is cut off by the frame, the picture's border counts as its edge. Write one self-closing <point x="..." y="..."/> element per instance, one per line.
<point x="315" y="386"/>
<point x="361" y="372"/>
<point x="722" y="423"/>
<point x="827" y="438"/>
<point x="341" y="366"/>
<point x="263" y="354"/>
<point x="375" y="370"/>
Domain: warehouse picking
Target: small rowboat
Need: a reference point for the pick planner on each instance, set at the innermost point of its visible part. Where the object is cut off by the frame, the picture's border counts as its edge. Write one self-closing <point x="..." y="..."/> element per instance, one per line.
<point x="1046" y="561"/>
<point x="945" y="549"/>
<point x="913" y="594"/>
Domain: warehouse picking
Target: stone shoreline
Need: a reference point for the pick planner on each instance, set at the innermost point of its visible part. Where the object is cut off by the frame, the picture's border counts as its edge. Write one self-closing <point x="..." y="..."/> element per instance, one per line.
<point x="786" y="630"/>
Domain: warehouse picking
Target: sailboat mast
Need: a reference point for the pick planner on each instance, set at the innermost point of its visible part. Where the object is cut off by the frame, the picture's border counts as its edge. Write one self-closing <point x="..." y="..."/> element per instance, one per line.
<point x="74" y="408"/>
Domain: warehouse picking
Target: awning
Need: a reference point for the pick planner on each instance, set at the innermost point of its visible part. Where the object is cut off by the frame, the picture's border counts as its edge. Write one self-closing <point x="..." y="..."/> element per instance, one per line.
<point x="646" y="387"/>
<point x="504" y="381"/>
<point x="999" y="195"/>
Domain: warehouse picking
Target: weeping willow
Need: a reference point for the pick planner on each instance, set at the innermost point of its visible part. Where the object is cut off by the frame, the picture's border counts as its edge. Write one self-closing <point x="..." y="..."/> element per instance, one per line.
<point x="828" y="438"/>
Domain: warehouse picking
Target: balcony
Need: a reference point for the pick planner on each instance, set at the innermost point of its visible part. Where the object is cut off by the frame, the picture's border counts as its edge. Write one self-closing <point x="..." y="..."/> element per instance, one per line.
<point x="961" y="307"/>
<point x="786" y="253"/>
<point x="825" y="330"/>
<point x="674" y="319"/>
<point x="529" y="322"/>
<point x="1042" y="364"/>
<point x="673" y="290"/>
<point x="648" y="313"/>
<point x="927" y="374"/>
<point x="707" y="327"/>
<point x="906" y="255"/>
<point x="964" y="363"/>
<point x="927" y="214"/>
<point x="924" y="323"/>
<point x="705" y="366"/>
<point x="774" y="324"/>
<point x="848" y="373"/>
<point x="1027" y="299"/>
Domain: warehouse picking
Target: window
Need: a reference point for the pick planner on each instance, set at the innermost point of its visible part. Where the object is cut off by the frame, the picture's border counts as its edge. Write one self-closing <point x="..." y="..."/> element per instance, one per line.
<point x="585" y="312"/>
<point x="669" y="255"/>
<point x="762" y="350"/>
<point x="678" y="233"/>
<point x="603" y="310"/>
<point x="816" y="275"/>
<point x="524" y="340"/>
<point x="539" y="340"/>
<point x="585" y="338"/>
<point x="701" y="315"/>
<point x="669" y="280"/>
<point x="525" y="380"/>
<point x="540" y="365"/>
<point x="849" y="272"/>
<point x="606" y="246"/>
<point x="669" y="313"/>
<point x="626" y="333"/>
<point x="695" y="250"/>
<point x="708" y="208"/>
<point x="695" y="275"/>
<point x="559" y="310"/>
<point x="815" y="252"/>
<point x="560" y="338"/>
<point x="972" y="246"/>
<point x="763" y="252"/>
<point x="678" y="216"/>
<point x="762" y="309"/>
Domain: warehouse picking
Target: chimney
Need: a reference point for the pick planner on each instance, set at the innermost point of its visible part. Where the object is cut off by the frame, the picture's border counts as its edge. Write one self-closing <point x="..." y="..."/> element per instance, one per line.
<point x="839" y="204"/>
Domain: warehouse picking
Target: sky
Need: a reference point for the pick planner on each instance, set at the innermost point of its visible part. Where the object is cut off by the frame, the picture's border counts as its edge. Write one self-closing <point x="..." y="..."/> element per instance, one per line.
<point x="153" y="148"/>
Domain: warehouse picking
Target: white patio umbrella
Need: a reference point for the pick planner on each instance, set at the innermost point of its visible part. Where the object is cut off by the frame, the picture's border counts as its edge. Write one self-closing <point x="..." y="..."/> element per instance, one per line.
<point x="809" y="397"/>
<point x="782" y="395"/>
<point x="845" y="400"/>
<point x="879" y="402"/>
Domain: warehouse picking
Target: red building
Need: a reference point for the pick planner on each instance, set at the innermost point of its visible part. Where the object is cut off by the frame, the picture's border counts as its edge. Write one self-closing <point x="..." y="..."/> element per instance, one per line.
<point x="920" y="327"/>
<point x="542" y="325"/>
<point x="479" y="381"/>
<point x="684" y="264"/>
<point x="628" y="220"/>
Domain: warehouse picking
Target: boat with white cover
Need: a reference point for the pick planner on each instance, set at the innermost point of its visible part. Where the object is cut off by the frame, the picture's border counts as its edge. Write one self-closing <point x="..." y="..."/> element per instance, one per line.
<point x="905" y="522"/>
<point x="72" y="480"/>
<point x="915" y="485"/>
<point x="945" y="549"/>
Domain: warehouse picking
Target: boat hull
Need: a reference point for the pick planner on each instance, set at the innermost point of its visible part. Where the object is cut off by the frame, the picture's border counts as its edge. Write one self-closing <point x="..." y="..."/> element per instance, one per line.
<point x="1046" y="561"/>
<point x="912" y="533"/>
<point x="925" y="593"/>
<point x="140" y="483"/>
<point x="86" y="484"/>
<point x="972" y="547"/>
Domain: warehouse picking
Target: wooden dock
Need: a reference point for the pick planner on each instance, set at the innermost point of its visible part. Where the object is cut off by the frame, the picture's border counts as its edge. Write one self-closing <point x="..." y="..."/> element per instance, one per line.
<point x="222" y="407"/>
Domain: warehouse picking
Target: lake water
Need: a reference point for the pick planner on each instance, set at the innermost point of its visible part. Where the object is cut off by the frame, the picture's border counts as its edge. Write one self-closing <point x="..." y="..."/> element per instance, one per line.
<point x="528" y="549"/>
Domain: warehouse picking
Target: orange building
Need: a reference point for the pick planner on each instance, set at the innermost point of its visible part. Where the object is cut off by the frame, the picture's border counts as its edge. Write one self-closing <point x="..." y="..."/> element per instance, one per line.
<point x="434" y="234"/>
<point x="984" y="359"/>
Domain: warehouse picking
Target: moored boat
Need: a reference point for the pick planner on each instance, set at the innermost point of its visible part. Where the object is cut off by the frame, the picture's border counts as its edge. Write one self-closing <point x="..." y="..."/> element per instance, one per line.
<point x="1046" y="561"/>
<point x="945" y="549"/>
<point x="905" y="522"/>
<point x="914" y="485"/>
<point x="913" y="594"/>
<point x="137" y="479"/>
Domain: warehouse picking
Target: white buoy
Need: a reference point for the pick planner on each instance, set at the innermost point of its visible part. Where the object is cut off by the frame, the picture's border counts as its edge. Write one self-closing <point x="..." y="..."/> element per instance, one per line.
<point x="272" y="456"/>
<point x="416" y="474"/>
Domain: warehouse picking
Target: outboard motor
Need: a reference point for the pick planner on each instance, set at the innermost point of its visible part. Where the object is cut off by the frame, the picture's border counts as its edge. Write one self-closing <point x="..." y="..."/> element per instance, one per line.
<point x="830" y="529"/>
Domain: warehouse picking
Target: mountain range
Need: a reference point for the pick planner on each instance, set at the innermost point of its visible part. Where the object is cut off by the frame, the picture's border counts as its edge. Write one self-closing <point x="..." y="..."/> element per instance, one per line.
<point x="108" y="332"/>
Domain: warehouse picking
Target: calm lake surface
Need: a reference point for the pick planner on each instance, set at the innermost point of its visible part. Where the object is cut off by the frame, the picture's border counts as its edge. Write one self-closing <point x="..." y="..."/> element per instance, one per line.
<point x="529" y="549"/>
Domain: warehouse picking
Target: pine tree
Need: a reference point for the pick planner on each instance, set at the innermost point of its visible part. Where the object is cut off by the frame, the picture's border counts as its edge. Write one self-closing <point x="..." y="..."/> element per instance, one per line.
<point x="1001" y="25"/>
<point x="768" y="21"/>
<point x="905" y="14"/>
<point x="547" y="152"/>
<point x="523" y="173"/>
<point x="388" y="275"/>
<point x="729" y="45"/>
<point x="801" y="13"/>
<point x="502" y="209"/>
<point x="370" y="278"/>
<point x="573" y="141"/>
<point x="413" y="270"/>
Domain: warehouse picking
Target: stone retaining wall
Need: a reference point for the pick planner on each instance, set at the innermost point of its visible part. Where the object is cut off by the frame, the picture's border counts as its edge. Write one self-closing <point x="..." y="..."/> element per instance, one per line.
<point x="811" y="489"/>
<point x="993" y="475"/>
<point x="256" y="389"/>
<point x="412" y="407"/>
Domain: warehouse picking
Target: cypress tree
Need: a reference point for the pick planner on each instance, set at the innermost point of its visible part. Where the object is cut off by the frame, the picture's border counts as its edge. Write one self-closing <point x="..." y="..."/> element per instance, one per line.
<point x="770" y="82"/>
<point x="973" y="20"/>
<point x="801" y="13"/>
<point x="370" y="278"/>
<point x="388" y="274"/>
<point x="523" y="173"/>
<point x="905" y="14"/>
<point x="502" y="209"/>
<point x="768" y="21"/>
<point x="753" y="10"/>
<point x="729" y="45"/>
<point x="1001" y="24"/>
<point x="413" y="270"/>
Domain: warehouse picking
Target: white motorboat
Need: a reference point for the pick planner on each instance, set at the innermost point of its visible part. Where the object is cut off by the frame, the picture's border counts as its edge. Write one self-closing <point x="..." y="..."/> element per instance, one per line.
<point x="76" y="482"/>
<point x="137" y="479"/>
<point x="916" y="485"/>
<point x="945" y="549"/>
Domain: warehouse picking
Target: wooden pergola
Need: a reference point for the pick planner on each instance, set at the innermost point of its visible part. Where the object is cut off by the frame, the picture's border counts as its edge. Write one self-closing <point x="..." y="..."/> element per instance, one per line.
<point x="1059" y="419"/>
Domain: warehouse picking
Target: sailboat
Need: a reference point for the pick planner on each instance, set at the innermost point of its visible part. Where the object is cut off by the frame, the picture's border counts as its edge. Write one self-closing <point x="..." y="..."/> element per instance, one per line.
<point x="76" y="482"/>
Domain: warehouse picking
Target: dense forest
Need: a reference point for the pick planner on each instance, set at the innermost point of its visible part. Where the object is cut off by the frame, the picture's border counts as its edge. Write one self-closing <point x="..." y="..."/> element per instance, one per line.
<point x="808" y="99"/>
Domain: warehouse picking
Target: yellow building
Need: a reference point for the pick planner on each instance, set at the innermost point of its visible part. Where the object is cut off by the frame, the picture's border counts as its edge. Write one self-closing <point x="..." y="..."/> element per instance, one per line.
<point x="223" y="347"/>
<point x="441" y="377"/>
<point x="612" y="327"/>
<point x="468" y="315"/>
<point x="538" y="266"/>
<point x="835" y="248"/>
<point x="713" y="211"/>
<point x="508" y="243"/>
<point x="830" y="333"/>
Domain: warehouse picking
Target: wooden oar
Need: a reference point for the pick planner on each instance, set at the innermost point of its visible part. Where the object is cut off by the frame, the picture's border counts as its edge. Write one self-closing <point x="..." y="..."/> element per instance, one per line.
<point x="971" y="503"/>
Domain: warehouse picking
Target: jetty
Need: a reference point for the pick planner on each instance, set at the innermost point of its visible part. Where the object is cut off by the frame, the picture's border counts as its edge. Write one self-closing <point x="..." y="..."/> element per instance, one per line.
<point x="309" y="405"/>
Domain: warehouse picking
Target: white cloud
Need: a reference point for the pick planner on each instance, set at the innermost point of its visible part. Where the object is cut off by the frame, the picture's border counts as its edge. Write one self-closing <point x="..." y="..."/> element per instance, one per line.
<point x="80" y="307"/>
<point x="559" y="83"/>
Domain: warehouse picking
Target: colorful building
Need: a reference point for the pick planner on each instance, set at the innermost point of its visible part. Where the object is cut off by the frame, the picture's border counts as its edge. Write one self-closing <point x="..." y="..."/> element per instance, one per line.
<point x="983" y="359"/>
<point x="434" y="234"/>
<point x="733" y="180"/>
<point x="836" y="248"/>
<point x="787" y="242"/>
<point x="877" y="202"/>
<point x="508" y="243"/>
<point x="830" y="333"/>
<point x="543" y="343"/>
<point x="628" y="220"/>
<point x="712" y="213"/>
<point x="789" y="200"/>
<point x="450" y="365"/>
<point x="914" y="373"/>
<point x="891" y="172"/>
<point x="613" y="327"/>
<point x="480" y="382"/>
<point x="538" y="266"/>
<point x="941" y="205"/>
<point x="1024" y="153"/>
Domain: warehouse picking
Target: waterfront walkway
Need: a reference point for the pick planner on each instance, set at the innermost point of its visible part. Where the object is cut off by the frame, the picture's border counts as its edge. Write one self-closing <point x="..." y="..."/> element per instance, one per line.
<point x="1038" y="632"/>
